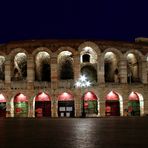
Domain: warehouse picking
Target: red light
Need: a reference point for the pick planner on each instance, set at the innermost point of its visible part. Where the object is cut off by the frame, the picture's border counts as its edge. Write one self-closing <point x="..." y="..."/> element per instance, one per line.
<point x="42" y="97"/>
<point x="20" y="98"/>
<point x="112" y="96"/>
<point x="65" y="97"/>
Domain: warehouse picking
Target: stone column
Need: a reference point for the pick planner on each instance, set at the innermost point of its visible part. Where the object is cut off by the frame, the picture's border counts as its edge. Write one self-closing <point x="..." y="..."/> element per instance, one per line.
<point x="125" y="95"/>
<point x="7" y="72"/>
<point x="78" y="103"/>
<point x="76" y="67"/>
<point x="54" y="84"/>
<point x="100" y="70"/>
<point x="144" y="72"/>
<point x="76" y="90"/>
<point x="30" y="71"/>
<point x="123" y="71"/>
<point x="102" y="107"/>
<point x="54" y="105"/>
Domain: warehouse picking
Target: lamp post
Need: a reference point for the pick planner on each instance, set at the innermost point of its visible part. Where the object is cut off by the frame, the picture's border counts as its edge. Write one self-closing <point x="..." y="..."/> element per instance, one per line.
<point x="82" y="82"/>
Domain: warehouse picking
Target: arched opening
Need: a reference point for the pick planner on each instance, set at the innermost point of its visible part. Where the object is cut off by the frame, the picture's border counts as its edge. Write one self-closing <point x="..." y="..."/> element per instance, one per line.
<point x="90" y="72"/>
<point x="42" y="67"/>
<point x="20" y="106"/>
<point x="88" y="54"/>
<point x="42" y="105"/>
<point x="2" y="106"/>
<point x="112" y="104"/>
<point x="133" y="71"/>
<point x="111" y="67"/>
<point x="66" y="105"/>
<point x="2" y="68"/>
<point x="135" y="104"/>
<point x="20" y="67"/>
<point x="90" y="104"/>
<point x="65" y="61"/>
<point x="86" y="58"/>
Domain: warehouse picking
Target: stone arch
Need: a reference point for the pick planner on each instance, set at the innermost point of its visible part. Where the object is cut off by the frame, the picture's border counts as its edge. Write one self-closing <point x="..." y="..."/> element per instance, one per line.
<point x="114" y="99"/>
<point x="42" y="66"/>
<point x="136" y="52"/>
<point x="90" y="49"/>
<point x="65" y="65"/>
<point x="17" y="50"/>
<point x="89" y="44"/>
<point x="134" y="65"/>
<point x="114" y="50"/>
<point x="66" y="105"/>
<point x="2" y="105"/>
<point x="42" y="105"/>
<point x="90" y="104"/>
<point x="70" y="49"/>
<point x="135" y="104"/>
<point x="18" y="64"/>
<point x="90" y="72"/>
<point x="110" y="59"/>
<point x="19" y="106"/>
<point x="35" y="51"/>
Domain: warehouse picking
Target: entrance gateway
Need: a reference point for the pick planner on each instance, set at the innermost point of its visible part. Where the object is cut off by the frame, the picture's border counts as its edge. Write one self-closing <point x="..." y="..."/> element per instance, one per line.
<point x="66" y="105"/>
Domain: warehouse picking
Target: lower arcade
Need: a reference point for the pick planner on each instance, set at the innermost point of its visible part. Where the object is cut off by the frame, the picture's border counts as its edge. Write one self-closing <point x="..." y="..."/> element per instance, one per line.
<point x="67" y="105"/>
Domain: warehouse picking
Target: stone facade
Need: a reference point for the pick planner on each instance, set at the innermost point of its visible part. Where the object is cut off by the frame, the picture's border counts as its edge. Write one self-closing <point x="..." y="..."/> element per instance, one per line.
<point x="104" y="57"/>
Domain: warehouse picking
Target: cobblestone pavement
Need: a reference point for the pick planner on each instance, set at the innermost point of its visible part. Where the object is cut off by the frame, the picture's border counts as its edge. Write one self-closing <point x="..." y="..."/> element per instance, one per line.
<point x="111" y="132"/>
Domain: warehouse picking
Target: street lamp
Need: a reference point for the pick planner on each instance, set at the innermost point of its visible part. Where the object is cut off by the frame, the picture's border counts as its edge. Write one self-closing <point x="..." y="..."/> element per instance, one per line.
<point x="82" y="82"/>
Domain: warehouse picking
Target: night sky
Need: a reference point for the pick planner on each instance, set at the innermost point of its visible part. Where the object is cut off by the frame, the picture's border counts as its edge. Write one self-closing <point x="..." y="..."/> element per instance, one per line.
<point x="122" y="20"/>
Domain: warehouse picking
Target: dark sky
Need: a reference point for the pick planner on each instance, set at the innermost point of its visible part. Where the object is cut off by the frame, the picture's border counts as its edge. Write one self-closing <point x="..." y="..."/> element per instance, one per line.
<point x="80" y="19"/>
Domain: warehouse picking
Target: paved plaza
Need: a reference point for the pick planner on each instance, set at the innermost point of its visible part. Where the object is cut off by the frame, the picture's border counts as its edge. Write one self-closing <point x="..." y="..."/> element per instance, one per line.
<point x="111" y="132"/>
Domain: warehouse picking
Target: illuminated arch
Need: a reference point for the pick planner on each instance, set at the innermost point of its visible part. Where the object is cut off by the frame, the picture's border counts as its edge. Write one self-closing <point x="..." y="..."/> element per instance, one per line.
<point x="65" y="97"/>
<point x="111" y="67"/>
<point x="42" y="105"/>
<point x="20" y="105"/>
<point x="61" y="49"/>
<point x="88" y="55"/>
<point x="66" y="107"/>
<point x="2" y="106"/>
<point x="16" y="51"/>
<point x="65" y="65"/>
<point x="20" y="66"/>
<point x="136" y="104"/>
<point x="42" y="97"/>
<point x="116" y="51"/>
<point x="90" y="44"/>
<point x="41" y="49"/>
<point x="91" y="104"/>
<point x="114" y="99"/>
<point x="42" y="66"/>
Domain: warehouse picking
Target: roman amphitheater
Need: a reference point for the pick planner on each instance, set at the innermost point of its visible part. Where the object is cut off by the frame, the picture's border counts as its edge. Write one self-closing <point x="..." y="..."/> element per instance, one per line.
<point x="73" y="78"/>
